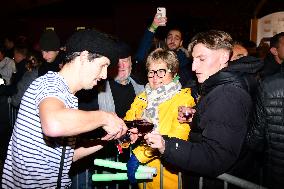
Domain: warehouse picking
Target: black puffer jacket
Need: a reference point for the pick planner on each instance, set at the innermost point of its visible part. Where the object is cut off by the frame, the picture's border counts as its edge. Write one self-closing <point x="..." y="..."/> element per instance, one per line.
<point x="219" y="126"/>
<point x="267" y="129"/>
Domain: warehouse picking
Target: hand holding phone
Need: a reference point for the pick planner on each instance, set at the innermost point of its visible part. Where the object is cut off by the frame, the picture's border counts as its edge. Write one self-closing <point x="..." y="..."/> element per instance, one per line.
<point x="161" y="14"/>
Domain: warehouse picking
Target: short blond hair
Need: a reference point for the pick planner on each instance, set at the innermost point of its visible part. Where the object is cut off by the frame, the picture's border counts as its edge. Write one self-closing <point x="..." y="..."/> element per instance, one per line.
<point x="167" y="56"/>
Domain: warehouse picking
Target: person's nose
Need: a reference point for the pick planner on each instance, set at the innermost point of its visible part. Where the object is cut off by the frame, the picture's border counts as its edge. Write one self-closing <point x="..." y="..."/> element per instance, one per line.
<point x="44" y="55"/>
<point x="121" y="65"/>
<point x="194" y="66"/>
<point x="104" y="73"/>
<point x="155" y="77"/>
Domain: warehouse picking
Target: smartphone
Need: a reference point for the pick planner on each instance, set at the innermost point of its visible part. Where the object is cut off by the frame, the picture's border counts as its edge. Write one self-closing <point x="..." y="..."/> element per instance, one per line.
<point x="161" y="12"/>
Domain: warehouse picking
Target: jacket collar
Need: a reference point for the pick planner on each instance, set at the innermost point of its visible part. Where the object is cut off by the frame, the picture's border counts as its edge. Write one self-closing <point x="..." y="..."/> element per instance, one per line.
<point x="220" y="78"/>
<point x="235" y="73"/>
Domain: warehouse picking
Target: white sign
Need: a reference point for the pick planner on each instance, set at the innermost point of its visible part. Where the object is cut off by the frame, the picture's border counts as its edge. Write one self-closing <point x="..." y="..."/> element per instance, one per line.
<point x="270" y="25"/>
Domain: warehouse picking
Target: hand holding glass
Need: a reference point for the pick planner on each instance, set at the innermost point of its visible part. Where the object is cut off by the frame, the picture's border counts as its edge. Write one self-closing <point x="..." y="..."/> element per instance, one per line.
<point x="185" y="114"/>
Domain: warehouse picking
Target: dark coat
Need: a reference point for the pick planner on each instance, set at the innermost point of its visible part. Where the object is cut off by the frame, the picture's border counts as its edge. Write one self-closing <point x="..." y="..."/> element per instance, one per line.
<point x="266" y="133"/>
<point x="220" y="123"/>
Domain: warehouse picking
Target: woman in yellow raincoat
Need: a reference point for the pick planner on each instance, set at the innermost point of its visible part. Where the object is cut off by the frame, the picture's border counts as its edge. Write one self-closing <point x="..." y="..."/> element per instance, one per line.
<point x="159" y="104"/>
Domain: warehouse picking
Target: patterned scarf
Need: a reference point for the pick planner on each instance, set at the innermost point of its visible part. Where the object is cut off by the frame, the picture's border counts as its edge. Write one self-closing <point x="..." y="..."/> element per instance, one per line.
<point x="156" y="97"/>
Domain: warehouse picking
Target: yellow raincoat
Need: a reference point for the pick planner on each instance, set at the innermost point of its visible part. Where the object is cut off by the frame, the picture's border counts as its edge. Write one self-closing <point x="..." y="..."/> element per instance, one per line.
<point x="168" y="125"/>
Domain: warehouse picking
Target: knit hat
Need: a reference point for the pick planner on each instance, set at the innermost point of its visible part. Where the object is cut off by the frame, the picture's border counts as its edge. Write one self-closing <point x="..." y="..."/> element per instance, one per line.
<point x="93" y="42"/>
<point x="124" y="50"/>
<point x="49" y="41"/>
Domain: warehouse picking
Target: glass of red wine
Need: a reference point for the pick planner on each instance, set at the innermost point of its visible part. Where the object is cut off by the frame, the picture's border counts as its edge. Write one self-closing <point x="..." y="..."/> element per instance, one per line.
<point x="185" y="112"/>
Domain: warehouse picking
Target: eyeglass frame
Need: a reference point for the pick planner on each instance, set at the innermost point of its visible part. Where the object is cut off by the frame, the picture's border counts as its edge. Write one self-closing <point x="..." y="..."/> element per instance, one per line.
<point x="157" y="71"/>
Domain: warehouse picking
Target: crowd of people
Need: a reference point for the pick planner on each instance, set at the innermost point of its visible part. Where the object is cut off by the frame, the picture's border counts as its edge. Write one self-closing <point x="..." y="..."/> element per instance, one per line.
<point x="215" y="108"/>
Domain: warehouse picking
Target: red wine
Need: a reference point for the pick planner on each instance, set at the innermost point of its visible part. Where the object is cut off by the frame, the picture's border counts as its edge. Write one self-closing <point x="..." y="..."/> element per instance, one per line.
<point x="187" y="115"/>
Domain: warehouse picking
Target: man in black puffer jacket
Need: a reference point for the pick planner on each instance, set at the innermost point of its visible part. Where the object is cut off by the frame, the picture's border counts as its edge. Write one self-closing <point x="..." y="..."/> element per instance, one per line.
<point x="266" y="133"/>
<point x="219" y="124"/>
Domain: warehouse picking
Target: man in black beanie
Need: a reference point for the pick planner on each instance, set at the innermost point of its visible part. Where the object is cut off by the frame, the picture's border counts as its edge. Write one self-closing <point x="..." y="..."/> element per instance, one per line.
<point x="115" y="94"/>
<point x="42" y="147"/>
<point x="50" y="48"/>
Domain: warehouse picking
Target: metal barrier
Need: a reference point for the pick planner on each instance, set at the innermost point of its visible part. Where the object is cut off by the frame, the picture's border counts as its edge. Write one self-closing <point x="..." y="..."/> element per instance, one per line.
<point x="238" y="182"/>
<point x="13" y="111"/>
<point x="228" y="179"/>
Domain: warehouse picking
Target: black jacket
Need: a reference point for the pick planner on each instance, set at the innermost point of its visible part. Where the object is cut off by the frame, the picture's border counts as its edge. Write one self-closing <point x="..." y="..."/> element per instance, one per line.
<point x="219" y="125"/>
<point x="266" y="133"/>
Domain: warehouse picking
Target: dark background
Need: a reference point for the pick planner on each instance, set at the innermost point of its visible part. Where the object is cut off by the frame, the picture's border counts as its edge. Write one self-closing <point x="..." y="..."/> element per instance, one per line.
<point x="128" y="19"/>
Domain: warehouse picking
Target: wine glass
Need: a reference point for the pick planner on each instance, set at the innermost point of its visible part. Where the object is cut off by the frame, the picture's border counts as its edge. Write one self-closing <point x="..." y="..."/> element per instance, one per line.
<point x="185" y="110"/>
<point x="187" y="114"/>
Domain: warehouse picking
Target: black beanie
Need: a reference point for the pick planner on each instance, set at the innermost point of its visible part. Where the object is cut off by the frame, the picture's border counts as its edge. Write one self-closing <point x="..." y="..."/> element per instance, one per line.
<point x="93" y="42"/>
<point x="124" y="50"/>
<point x="49" y="41"/>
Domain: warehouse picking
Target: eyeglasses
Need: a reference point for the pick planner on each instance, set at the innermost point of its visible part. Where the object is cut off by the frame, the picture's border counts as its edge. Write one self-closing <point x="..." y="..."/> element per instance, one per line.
<point x="160" y="73"/>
